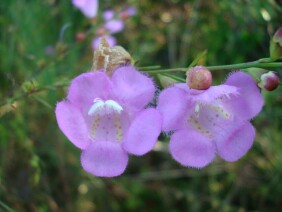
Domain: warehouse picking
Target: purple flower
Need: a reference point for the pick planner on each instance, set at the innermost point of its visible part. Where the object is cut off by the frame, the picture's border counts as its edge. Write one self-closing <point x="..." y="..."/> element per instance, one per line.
<point x="106" y="119"/>
<point x="111" y="40"/>
<point x="129" y="11"/>
<point x="114" y="26"/>
<point x="108" y="14"/>
<point x="88" y="7"/>
<point x="212" y="121"/>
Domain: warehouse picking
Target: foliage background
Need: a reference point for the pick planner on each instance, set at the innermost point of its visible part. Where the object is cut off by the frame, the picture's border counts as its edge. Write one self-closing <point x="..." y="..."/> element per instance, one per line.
<point x="40" y="170"/>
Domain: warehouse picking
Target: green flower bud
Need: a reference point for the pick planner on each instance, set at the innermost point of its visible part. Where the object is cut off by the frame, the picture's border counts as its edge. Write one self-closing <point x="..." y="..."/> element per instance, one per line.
<point x="276" y="45"/>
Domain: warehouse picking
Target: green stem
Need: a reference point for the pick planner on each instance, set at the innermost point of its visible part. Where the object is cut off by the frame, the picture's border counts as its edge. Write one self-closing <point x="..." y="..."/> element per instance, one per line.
<point x="37" y="90"/>
<point x="261" y="63"/>
<point x="6" y="207"/>
<point x="148" y="67"/>
<point x="255" y="64"/>
<point x="170" y="70"/>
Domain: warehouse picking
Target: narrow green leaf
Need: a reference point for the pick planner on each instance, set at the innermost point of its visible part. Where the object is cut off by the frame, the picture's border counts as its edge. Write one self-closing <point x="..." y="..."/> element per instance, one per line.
<point x="198" y="58"/>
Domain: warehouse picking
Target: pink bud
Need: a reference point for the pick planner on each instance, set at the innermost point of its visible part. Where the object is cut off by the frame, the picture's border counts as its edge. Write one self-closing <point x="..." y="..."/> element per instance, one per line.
<point x="269" y="81"/>
<point x="101" y="31"/>
<point x="80" y="36"/>
<point x="123" y="15"/>
<point x="199" y="78"/>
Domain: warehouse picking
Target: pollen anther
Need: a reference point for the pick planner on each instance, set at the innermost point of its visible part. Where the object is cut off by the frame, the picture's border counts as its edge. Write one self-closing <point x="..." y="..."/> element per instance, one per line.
<point x="104" y="107"/>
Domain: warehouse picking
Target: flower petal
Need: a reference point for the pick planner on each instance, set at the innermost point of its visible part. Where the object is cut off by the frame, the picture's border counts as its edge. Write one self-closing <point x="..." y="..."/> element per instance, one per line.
<point x="72" y="124"/>
<point x="237" y="143"/>
<point x="172" y="104"/>
<point x="213" y="93"/>
<point x="250" y="101"/>
<point x="191" y="148"/>
<point x="88" y="86"/>
<point x="130" y="11"/>
<point x="108" y="14"/>
<point x="114" y="26"/>
<point x="104" y="159"/>
<point x="143" y="132"/>
<point x="88" y="7"/>
<point x="133" y="88"/>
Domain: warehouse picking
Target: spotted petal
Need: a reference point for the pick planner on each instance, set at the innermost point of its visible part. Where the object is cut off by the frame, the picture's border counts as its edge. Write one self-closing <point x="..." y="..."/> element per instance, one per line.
<point x="191" y="148"/>
<point x="104" y="159"/>
<point x="143" y="132"/>
<point x="72" y="124"/>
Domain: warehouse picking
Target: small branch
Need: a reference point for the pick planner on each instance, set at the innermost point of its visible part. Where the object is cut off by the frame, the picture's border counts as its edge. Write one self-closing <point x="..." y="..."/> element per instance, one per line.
<point x="261" y="63"/>
<point x="170" y="70"/>
<point x="34" y="91"/>
<point x="254" y="64"/>
<point x="6" y="207"/>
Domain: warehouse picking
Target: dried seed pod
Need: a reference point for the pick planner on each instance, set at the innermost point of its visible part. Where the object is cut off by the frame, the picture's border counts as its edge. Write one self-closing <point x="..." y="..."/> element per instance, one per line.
<point x="109" y="58"/>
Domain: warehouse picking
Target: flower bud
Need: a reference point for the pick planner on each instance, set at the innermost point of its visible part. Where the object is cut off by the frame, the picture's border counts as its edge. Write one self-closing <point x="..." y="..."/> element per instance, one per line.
<point x="277" y="38"/>
<point x="269" y="81"/>
<point x="101" y="31"/>
<point x="199" y="78"/>
<point x="276" y="45"/>
<point x="80" y="36"/>
<point x="166" y="81"/>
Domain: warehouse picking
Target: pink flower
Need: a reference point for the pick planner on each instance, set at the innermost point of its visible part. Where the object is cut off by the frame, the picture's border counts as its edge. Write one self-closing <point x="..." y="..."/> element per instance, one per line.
<point x="211" y="121"/>
<point x="88" y="7"/>
<point x="106" y="118"/>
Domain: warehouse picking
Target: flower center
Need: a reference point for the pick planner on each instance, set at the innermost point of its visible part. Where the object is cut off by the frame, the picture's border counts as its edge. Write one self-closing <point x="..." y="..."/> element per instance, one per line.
<point x="104" y="107"/>
<point x="107" y="121"/>
<point x="209" y="118"/>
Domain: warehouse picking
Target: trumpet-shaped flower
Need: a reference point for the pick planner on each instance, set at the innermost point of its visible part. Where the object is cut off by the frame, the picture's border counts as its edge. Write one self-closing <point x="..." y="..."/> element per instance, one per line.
<point x="106" y="118"/>
<point x="212" y="121"/>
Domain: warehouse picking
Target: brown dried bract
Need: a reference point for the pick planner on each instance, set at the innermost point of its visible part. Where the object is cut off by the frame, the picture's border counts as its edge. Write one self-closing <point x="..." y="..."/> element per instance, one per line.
<point x="109" y="58"/>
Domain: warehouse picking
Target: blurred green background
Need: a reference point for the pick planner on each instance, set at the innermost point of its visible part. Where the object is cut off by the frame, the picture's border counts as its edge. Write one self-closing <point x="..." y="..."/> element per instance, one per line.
<point x="40" y="169"/>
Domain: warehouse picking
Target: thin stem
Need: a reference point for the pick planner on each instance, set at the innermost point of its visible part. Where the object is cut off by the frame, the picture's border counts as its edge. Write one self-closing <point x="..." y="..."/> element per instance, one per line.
<point x="255" y="64"/>
<point x="170" y="70"/>
<point x="148" y="67"/>
<point x="37" y="90"/>
<point x="261" y="63"/>
<point x="6" y="207"/>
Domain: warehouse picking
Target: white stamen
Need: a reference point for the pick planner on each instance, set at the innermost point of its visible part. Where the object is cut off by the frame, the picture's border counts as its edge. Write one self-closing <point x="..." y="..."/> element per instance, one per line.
<point x="104" y="107"/>
<point x="114" y="106"/>
<point x="96" y="107"/>
<point x="197" y="108"/>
